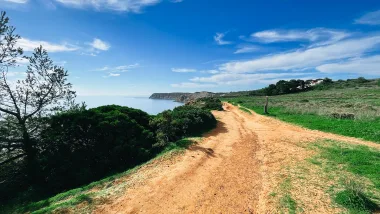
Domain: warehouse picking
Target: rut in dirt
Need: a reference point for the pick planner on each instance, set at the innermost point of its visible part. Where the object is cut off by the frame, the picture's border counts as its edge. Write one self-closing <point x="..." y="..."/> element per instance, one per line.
<point x="222" y="173"/>
<point x="233" y="170"/>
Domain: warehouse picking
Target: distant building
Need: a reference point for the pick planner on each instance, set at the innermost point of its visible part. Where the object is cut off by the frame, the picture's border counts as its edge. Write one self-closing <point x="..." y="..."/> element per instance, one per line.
<point x="312" y="83"/>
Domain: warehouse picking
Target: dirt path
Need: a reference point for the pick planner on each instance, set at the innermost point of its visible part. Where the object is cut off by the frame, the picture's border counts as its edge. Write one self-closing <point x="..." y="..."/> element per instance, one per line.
<point x="233" y="170"/>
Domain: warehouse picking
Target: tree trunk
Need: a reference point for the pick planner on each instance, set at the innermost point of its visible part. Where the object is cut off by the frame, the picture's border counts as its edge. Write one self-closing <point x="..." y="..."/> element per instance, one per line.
<point x="31" y="153"/>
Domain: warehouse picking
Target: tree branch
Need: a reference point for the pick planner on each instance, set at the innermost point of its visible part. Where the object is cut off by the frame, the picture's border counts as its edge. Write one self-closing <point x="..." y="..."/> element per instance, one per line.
<point x="12" y="159"/>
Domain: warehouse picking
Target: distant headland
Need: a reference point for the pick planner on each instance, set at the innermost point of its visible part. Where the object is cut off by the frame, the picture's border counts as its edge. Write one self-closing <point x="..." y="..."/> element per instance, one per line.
<point x="182" y="97"/>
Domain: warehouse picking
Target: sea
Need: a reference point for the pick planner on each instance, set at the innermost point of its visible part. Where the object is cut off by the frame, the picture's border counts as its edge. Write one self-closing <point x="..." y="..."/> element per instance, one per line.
<point x="150" y="106"/>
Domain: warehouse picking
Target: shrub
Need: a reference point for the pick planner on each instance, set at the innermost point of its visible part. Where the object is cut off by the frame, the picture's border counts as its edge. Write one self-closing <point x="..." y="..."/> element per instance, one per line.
<point x="183" y="121"/>
<point x="85" y="145"/>
<point x="354" y="199"/>
<point x="207" y="103"/>
<point x="378" y="82"/>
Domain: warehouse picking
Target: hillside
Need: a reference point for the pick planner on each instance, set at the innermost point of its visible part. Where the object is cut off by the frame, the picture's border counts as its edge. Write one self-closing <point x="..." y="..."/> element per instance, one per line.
<point x="182" y="97"/>
<point x="248" y="164"/>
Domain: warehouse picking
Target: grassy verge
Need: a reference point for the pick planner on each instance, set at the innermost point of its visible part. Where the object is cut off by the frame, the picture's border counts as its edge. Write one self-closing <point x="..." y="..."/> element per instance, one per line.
<point x="356" y="170"/>
<point x="245" y="109"/>
<point x="337" y="178"/>
<point x="365" y="129"/>
<point x="84" y="194"/>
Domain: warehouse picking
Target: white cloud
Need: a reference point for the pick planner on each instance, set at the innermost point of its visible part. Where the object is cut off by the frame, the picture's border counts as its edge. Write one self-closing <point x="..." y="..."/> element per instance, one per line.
<point x="134" y="6"/>
<point x="183" y="70"/>
<point x="22" y="61"/>
<point x="310" y="57"/>
<point x="17" y="1"/>
<point x="112" y="75"/>
<point x="372" y="18"/>
<point x="321" y="36"/>
<point x="30" y="45"/>
<point x="118" y="69"/>
<point x="127" y="67"/>
<point x="369" y="65"/>
<point x="88" y="54"/>
<point x="219" y="39"/>
<point x="210" y="71"/>
<point x="233" y="79"/>
<point x="100" y="45"/>
<point x="192" y="85"/>
<point x="236" y="79"/>
<point x="247" y="49"/>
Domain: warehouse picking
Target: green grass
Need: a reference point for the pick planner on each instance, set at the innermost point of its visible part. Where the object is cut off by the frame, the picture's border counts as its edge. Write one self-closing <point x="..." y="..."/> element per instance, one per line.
<point x="359" y="160"/>
<point x="245" y="109"/>
<point x="286" y="202"/>
<point x="315" y="110"/>
<point x="363" y="163"/>
<point x="289" y="203"/>
<point x="368" y="130"/>
<point x="76" y="196"/>
<point x="355" y="202"/>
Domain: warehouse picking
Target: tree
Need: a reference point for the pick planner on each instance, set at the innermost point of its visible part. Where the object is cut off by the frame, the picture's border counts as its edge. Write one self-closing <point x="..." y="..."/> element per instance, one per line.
<point x="24" y="103"/>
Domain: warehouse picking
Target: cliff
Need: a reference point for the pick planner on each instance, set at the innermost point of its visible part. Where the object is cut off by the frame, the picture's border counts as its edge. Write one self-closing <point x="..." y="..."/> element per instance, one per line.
<point x="181" y="97"/>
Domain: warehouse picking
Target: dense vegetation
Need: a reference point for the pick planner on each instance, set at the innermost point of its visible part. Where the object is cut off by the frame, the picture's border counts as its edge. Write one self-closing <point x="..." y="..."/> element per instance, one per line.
<point x="353" y="110"/>
<point x="295" y="86"/>
<point x="207" y="103"/>
<point x="80" y="146"/>
<point x="49" y="144"/>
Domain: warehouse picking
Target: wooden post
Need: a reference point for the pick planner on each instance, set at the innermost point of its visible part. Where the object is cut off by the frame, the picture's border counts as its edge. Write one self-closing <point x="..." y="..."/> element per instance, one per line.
<point x="266" y="106"/>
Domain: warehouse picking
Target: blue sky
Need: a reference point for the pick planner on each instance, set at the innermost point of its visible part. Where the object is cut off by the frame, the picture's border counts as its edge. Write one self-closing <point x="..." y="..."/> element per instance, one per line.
<point x="137" y="47"/>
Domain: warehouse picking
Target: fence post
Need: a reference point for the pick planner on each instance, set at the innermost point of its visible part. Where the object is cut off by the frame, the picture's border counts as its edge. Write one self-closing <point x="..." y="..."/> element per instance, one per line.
<point x="266" y="106"/>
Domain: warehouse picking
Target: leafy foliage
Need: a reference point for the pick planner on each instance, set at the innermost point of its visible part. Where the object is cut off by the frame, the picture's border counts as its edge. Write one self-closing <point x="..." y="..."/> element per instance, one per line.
<point x="85" y="145"/>
<point x="355" y="201"/>
<point x="207" y="103"/>
<point x="183" y="121"/>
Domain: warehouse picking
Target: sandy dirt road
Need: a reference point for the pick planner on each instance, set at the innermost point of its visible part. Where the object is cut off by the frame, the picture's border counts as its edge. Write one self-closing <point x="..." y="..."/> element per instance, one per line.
<point x="233" y="170"/>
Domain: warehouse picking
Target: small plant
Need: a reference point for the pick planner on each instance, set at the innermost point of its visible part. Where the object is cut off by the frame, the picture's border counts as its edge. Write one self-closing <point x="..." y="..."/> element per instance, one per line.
<point x="354" y="199"/>
<point x="289" y="203"/>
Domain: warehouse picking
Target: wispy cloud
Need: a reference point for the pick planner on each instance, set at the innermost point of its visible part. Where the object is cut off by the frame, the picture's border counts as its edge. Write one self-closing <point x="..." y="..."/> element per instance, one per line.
<point x="368" y="65"/>
<point x="193" y="85"/>
<point x="303" y="58"/>
<point x="231" y="79"/>
<point x="372" y="18"/>
<point x="236" y="79"/>
<point x="119" y="69"/>
<point x="210" y="71"/>
<point x="134" y="6"/>
<point x="100" y="45"/>
<point x="15" y="1"/>
<point x="319" y="36"/>
<point x="219" y="39"/>
<point x="183" y="70"/>
<point x="247" y="49"/>
<point x="30" y="45"/>
<point x="112" y="75"/>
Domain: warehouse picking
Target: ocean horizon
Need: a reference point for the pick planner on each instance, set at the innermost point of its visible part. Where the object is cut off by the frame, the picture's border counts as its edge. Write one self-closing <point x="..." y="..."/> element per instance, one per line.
<point x="151" y="106"/>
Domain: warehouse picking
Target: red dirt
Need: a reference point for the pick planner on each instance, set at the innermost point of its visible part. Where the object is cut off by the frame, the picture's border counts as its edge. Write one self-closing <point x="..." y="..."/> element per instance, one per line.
<point x="233" y="170"/>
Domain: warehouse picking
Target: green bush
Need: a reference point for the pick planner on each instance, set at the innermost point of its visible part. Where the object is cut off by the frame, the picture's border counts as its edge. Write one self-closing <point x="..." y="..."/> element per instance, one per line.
<point x="355" y="201"/>
<point x="183" y="121"/>
<point x="208" y="103"/>
<point x="378" y="82"/>
<point x="86" y="145"/>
